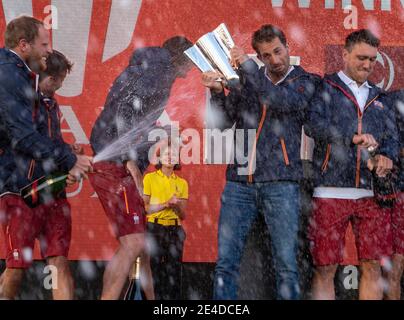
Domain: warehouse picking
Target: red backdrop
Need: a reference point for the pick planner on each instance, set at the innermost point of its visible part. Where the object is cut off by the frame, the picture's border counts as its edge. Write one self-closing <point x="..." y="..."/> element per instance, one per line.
<point x="101" y="35"/>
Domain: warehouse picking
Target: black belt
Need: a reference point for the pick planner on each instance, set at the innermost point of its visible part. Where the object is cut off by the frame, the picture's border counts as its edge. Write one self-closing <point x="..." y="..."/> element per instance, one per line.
<point x="164" y="222"/>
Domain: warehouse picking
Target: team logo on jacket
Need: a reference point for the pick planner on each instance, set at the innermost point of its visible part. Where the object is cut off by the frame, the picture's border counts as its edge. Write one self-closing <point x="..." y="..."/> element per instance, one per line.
<point x="378" y="104"/>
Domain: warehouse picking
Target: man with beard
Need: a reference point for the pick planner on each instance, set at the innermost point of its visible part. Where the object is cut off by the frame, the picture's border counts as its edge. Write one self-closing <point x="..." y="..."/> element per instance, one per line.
<point x="25" y="154"/>
<point x="271" y="101"/>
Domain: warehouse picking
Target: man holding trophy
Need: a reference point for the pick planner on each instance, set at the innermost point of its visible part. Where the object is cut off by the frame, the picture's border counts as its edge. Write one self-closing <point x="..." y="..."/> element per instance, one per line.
<point x="270" y="100"/>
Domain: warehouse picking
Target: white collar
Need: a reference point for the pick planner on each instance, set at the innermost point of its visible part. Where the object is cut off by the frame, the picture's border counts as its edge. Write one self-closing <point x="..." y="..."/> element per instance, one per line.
<point x="348" y="81"/>
<point x="291" y="68"/>
<point x="29" y="69"/>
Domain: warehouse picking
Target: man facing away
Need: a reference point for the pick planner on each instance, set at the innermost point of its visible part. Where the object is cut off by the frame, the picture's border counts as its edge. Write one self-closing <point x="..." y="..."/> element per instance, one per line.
<point x="137" y="98"/>
<point x="347" y="116"/>
<point x="272" y="102"/>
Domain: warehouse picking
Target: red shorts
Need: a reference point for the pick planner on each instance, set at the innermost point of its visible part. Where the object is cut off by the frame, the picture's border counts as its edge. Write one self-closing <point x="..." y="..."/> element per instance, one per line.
<point x="51" y="224"/>
<point x="119" y="197"/>
<point x="397" y="222"/>
<point x="330" y="218"/>
<point x="18" y="223"/>
<point x="54" y="228"/>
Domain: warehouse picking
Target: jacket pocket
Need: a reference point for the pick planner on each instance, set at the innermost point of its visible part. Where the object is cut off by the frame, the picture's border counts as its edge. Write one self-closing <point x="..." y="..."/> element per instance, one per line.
<point x="326" y="159"/>
<point x="284" y="152"/>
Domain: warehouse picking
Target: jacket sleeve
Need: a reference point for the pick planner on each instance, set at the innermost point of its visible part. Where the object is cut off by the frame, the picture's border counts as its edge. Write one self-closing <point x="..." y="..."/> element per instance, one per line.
<point x="318" y="124"/>
<point x="223" y="109"/>
<point x="18" y="119"/>
<point x="390" y="144"/>
<point x="279" y="98"/>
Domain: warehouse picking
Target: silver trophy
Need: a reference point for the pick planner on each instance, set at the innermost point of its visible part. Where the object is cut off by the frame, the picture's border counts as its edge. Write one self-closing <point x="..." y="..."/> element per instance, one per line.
<point x="212" y="52"/>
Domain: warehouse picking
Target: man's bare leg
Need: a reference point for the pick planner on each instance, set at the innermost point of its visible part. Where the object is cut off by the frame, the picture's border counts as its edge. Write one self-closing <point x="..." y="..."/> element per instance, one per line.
<point x="11" y="281"/>
<point x="65" y="287"/>
<point x="323" y="283"/>
<point x="117" y="270"/>
<point x="1" y="280"/>
<point x="394" y="278"/>
<point x="146" y="277"/>
<point x="370" y="285"/>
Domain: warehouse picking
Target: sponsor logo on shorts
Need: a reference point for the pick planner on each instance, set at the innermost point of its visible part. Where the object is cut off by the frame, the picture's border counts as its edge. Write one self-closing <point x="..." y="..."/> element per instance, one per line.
<point x="136" y="219"/>
<point x="16" y="254"/>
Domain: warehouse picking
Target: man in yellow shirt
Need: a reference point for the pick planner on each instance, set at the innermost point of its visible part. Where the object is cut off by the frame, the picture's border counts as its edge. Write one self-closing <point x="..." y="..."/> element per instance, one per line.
<point x="165" y="197"/>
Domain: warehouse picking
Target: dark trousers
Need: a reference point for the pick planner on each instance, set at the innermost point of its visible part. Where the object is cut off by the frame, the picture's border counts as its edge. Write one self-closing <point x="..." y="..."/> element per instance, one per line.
<point x="167" y="243"/>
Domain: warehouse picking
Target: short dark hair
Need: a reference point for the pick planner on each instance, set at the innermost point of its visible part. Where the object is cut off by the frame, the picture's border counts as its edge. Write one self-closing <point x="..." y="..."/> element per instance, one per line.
<point x="267" y="33"/>
<point x="177" y="166"/>
<point x="359" y="36"/>
<point x="23" y="27"/>
<point x="56" y="65"/>
<point x="176" y="46"/>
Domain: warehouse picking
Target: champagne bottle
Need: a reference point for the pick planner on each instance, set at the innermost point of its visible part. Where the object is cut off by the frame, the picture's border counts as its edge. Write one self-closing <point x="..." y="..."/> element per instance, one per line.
<point x="134" y="291"/>
<point x="383" y="187"/>
<point x="44" y="190"/>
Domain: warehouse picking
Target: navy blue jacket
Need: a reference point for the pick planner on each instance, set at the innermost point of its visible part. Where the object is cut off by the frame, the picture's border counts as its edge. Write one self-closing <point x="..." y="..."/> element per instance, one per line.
<point x="50" y="115"/>
<point x="49" y="123"/>
<point x="398" y="99"/>
<point x="277" y="113"/>
<point x="334" y="117"/>
<point x="137" y="97"/>
<point x="25" y="153"/>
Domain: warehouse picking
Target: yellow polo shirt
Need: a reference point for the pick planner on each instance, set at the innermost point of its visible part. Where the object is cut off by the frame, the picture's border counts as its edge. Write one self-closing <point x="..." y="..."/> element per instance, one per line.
<point x="161" y="188"/>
